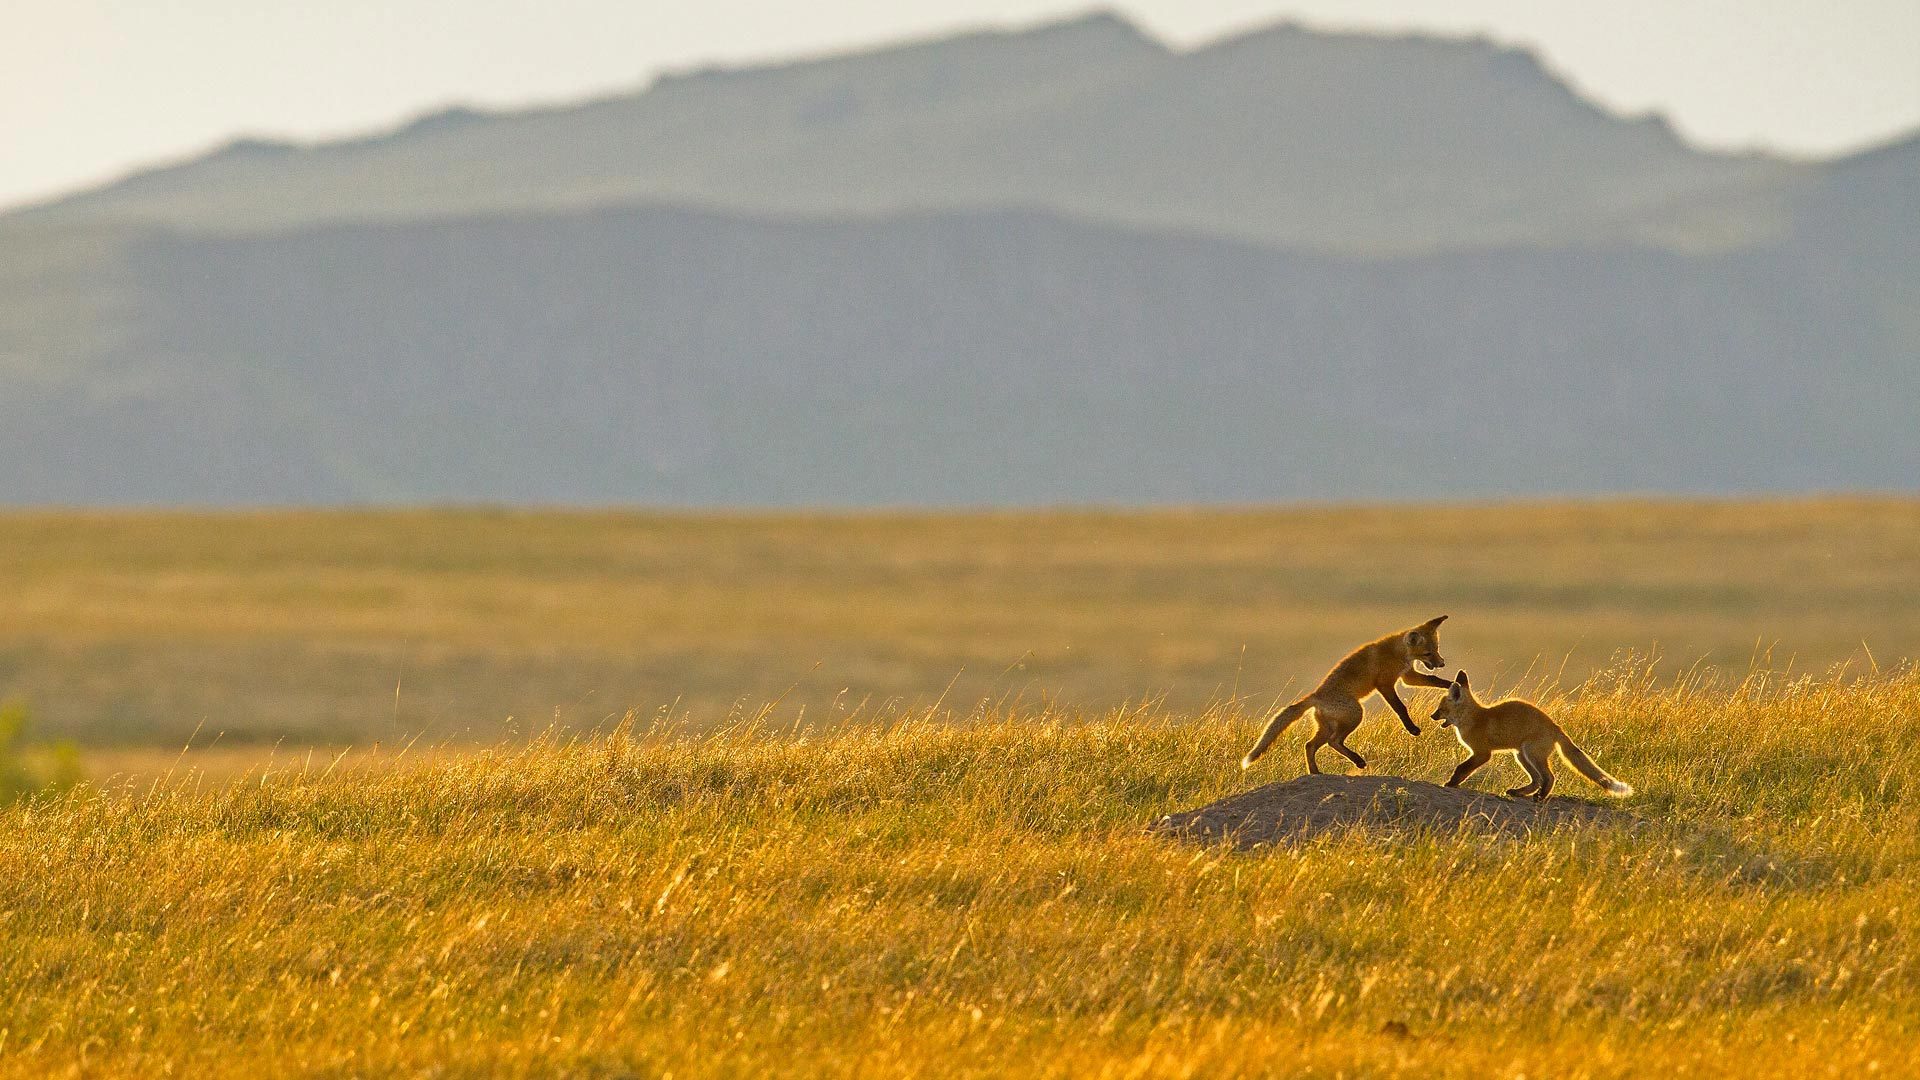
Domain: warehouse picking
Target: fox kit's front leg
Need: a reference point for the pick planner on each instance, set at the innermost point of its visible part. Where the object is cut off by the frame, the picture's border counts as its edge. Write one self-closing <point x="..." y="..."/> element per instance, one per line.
<point x="1424" y="641"/>
<point x="1399" y="709"/>
<point x="1475" y="759"/>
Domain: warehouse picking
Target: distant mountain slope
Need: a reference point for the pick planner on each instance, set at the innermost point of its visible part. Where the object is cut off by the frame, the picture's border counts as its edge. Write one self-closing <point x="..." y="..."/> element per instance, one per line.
<point x="1059" y="265"/>
<point x="665" y="356"/>
<point x="1341" y="143"/>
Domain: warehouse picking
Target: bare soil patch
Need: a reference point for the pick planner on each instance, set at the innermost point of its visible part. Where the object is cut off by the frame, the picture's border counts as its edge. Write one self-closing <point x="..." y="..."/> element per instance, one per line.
<point x="1298" y="809"/>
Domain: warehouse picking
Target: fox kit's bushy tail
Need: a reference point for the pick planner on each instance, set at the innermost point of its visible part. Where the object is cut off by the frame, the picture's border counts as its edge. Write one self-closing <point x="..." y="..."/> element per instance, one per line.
<point x="1279" y="724"/>
<point x="1578" y="759"/>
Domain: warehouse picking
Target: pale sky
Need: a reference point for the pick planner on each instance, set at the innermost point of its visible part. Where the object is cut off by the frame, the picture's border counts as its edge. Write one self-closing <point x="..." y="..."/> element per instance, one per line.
<point x="91" y="88"/>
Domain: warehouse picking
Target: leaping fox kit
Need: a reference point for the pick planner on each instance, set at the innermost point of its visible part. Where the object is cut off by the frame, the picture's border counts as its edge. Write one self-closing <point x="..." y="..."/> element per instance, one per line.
<point x="1372" y="668"/>
<point x="1519" y="726"/>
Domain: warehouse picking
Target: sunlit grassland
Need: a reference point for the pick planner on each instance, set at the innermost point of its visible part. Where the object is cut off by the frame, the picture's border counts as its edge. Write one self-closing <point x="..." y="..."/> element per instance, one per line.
<point x="973" y="894"/>
<point x="360" y="627"/>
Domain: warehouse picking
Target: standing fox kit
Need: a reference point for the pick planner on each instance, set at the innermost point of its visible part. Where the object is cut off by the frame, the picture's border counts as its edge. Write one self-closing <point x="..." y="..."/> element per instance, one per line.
<point x="1519" y="726"/>
<point x="1372" y="668"/>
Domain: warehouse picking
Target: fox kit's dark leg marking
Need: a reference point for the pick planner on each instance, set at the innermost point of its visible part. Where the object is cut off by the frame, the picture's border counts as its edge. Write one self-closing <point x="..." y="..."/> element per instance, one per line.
<point x="1400" y="710"/>
<point x="1467" y="767"/>
<point x="1313" y="747"/>
<point x="1340" y="744"/>
<point x="1537" y="776"/>
<point x="1421" y="678"/>
<point x="1542" y="768"/>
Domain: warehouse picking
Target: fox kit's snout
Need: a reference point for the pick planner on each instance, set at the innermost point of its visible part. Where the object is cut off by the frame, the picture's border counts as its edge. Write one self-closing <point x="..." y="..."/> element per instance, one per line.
<point x="1518" y="726"/>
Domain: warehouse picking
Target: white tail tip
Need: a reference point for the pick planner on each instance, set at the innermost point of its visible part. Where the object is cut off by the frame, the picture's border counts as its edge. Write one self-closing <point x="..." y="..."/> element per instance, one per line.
<point x="1246" y="763"/>
<point x="1615" y="787"/>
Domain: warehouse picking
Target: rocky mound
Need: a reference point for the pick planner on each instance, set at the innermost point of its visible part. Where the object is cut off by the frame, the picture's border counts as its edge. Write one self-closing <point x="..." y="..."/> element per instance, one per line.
<point x="1293" y="810"/>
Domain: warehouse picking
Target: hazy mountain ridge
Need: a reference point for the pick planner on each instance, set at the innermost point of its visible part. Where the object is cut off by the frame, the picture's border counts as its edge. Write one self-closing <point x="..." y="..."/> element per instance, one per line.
<point x="1057" y="265"/>
<point x="1333" y="142"/>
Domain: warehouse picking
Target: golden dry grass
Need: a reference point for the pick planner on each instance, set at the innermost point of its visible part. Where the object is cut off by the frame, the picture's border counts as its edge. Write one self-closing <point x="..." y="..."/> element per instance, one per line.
<point x="897" y="888"/>
<point x="381" y="626"/>
<point x="974" y="895"/>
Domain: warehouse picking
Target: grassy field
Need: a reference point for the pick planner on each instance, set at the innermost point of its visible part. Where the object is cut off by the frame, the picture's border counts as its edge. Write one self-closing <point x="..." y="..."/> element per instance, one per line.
<point x="973" y="895"/>
<point x="137" y="629"/>
<point x="897" y="870"/>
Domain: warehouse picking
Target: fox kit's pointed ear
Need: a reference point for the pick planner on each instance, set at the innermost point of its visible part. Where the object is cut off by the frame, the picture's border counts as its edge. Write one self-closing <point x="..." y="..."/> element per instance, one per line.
<point x="1436" y="622"/>
<point x="1461" y="678"/>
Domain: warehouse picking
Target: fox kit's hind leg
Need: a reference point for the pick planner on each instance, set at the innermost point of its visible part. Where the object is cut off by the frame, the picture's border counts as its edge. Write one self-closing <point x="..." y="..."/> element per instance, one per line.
<point x="1348" y="752"/>
<point x="1539" y="776"/>
<point x="1347" y="721"/>
<point x="1539" y="763"/>
<point x="1334" y="721"/>
<point x="1313" y="747"/>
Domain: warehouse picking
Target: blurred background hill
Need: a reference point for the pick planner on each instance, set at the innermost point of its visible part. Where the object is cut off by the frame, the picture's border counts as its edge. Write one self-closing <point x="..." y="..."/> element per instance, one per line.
<point x="1063" y="264"/>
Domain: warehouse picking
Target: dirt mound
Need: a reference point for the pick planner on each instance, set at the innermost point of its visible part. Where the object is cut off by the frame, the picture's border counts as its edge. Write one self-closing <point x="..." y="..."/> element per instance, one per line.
<point x="1293" y="810"/>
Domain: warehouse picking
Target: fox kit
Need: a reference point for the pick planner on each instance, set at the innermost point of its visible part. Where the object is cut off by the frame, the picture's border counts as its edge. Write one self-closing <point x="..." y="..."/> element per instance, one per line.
<point x="1519" y="726"/>
<point x="1371" y="668"/>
